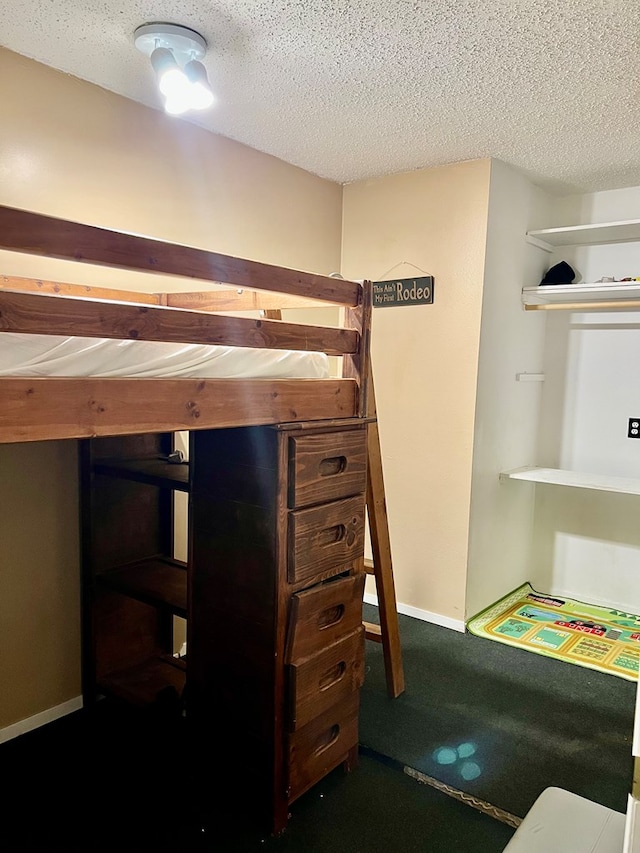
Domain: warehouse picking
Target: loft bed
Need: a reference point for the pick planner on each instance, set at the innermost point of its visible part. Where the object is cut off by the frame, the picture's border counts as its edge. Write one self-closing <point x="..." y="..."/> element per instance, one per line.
<point x="57" y="407"/>
<point x="277" y="474"/>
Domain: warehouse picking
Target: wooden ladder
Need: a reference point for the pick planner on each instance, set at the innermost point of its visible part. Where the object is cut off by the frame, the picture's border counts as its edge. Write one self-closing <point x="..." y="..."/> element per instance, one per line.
<point x="380" y="567"/>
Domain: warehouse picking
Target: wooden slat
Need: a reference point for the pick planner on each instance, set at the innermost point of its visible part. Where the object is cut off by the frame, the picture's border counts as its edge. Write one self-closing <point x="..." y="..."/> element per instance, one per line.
<point x="239" y="300"/>
<point x="373" y="632"/>
<point x="36" y="234"/>
<point x="357" y="366"/>
<point x="37" y="285"/>
<point x="53" y="408"/>
<point x="48" y="314"/>
<point x="272" y="314"/>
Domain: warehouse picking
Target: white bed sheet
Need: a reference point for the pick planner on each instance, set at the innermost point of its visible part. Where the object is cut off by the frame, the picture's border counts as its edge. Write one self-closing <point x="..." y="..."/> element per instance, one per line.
<point x="52" y="355"/>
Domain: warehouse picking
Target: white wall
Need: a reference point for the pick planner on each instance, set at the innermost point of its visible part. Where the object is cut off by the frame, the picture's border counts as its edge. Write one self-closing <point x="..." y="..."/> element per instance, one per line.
<point x="507" y="410"/>
<point x="587" y="544"/>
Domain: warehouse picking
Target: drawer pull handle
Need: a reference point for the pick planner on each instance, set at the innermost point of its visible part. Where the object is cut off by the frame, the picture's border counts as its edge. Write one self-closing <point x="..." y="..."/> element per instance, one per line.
<point x="327" y="739"/>
<point x="332" y="676"/>
<point x="329" y="618"/>
<point x="332" y="465"/>
<point x="331" y="535"/>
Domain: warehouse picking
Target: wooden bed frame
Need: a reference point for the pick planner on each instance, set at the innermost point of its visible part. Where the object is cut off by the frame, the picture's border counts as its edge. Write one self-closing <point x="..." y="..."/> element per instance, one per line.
<point x="277" y="482"/>
<point x="34" y="409"/>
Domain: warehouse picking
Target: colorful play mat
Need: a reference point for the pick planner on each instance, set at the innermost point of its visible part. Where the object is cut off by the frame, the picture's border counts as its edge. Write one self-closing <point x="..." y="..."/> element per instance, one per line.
<point x="596" y="637"/>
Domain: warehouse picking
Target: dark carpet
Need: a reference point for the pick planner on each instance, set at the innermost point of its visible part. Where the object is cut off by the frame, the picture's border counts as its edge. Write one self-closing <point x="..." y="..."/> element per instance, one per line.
<point x="510" y="722"/>
<point x="113" y="781"/>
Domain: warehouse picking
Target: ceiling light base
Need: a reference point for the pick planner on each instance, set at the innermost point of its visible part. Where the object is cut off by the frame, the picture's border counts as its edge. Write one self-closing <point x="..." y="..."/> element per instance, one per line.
<point x="185" y="43"/>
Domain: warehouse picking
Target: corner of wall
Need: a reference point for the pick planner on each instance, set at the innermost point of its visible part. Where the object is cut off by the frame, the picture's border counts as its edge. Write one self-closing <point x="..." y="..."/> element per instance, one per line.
<point x="506" y="417"/>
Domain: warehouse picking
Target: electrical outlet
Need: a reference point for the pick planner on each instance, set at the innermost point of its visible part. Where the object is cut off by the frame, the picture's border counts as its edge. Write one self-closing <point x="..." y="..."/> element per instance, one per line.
<point x="634" y="428"/>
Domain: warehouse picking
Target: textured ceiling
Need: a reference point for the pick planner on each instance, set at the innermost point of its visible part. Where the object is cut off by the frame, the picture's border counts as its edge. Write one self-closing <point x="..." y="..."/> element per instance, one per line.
<point x="351" y="89"/>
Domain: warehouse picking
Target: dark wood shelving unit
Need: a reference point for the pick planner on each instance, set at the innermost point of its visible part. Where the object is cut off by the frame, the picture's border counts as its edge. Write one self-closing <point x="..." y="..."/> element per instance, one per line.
<point x="153" y="472"/>
<point x="132" y="586"/>
<point x="159" y="581"/>
<point x="271" y="595"/>
<point x="141" y="685"/>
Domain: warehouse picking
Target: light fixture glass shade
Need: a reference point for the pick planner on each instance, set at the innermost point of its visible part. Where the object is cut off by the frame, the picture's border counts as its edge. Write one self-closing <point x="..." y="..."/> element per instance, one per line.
<point x="172" y="81"/>
<point x="174" y="84"/>
<point x="200" y="94"/>
<point x="183" y="88"/>
<point x="176" y="106"/>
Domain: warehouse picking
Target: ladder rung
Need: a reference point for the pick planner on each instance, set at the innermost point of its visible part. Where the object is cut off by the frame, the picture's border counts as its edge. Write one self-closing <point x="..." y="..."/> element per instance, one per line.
<point x="372" y="632"/>
<point x="368" y="566"/>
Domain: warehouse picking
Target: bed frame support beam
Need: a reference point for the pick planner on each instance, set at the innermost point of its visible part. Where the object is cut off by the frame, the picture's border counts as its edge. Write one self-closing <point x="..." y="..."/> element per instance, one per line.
<point x="47" y="236"/>
<point x="47" y="314"/>
<point x="51" y="407"/>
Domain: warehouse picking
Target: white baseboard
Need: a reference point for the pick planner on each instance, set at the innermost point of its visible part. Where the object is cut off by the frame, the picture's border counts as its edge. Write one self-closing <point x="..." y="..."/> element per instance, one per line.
<point x="40" y="719"/>
<point x="423" y="615"/>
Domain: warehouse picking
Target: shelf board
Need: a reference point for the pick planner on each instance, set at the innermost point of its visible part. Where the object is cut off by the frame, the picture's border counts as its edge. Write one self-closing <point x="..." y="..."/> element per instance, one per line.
<point x="141" y="685"/>
<point x="159" y="581"/>
<point x="578" y="479"/>
<point x="557" y="294"/>
<point x="154" y="472"/>
<point x="623" y="231"/>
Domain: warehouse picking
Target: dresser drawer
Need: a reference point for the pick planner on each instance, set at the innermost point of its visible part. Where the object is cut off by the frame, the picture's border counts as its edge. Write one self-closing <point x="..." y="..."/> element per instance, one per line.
<point x="323" y="614"/>
<point x="327" y="466"/>
<point x="326" y="678"/>
<point x="324" y="538"/>
<point x="318" y="747"/>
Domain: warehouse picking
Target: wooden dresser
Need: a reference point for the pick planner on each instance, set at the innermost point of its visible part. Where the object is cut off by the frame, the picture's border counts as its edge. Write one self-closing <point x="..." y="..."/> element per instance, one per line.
<point x="272" y="592"/>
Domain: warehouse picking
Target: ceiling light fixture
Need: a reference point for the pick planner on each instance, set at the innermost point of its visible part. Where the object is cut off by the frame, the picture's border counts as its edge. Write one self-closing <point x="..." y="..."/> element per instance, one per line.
<point x="175" y="53"/>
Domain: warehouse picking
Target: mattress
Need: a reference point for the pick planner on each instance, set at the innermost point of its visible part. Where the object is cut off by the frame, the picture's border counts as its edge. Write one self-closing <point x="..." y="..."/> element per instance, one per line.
<point x="52" y="355"/>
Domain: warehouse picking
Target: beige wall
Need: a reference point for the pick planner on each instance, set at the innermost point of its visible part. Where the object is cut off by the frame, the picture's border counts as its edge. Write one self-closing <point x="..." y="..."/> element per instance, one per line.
<point x="425" y="361"/>
<point x="73" y="150"/>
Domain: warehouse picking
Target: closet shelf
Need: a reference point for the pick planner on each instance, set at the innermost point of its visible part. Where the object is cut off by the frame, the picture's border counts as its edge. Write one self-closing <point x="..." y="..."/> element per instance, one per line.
<point x="154" y="472"/>
<point x="578" y="479"/>
<point x="159" y="581"/>
<point x="624" y="231"/>
<point x="577" y="294"/>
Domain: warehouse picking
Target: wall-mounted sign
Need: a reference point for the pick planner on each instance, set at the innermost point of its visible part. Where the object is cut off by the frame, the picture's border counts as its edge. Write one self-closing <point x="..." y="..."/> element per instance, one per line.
<point x="403" y="291"/>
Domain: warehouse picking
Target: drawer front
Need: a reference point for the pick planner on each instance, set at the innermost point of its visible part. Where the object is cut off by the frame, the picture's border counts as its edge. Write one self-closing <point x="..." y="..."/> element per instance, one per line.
<point x="327" y="466"/>
<point x="326" y="678"/>
<point x="318" y="747"/>
<point x="324" y="538"/>
<point x="322" y="615"/>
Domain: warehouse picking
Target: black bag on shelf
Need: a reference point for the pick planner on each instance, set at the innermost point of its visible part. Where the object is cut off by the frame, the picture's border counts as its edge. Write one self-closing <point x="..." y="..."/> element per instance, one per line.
<point x="561" y="273"/>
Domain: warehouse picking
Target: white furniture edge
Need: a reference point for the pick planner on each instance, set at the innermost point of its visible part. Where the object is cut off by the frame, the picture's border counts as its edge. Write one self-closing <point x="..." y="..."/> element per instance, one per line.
<point x="623" y="231"/>
<point x="545" y="294"/>
<point x="632" y="827"/>
<point x="560" y="821"/>
<point x="578" y="479"/>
